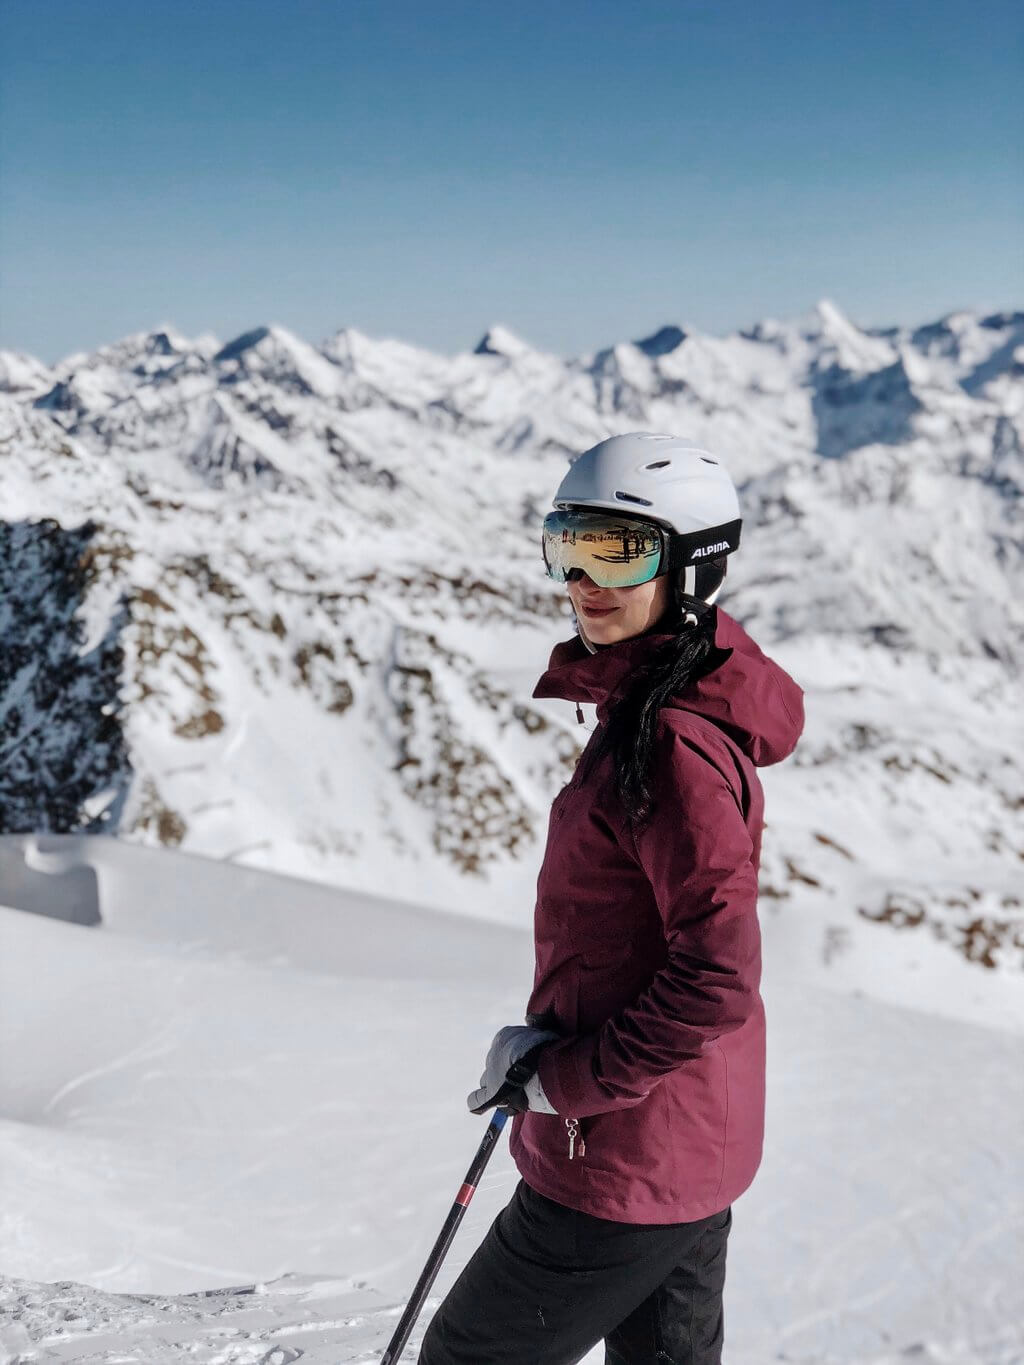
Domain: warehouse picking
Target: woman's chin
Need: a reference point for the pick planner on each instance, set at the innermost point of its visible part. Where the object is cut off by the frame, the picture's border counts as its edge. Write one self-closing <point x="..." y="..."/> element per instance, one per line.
<point x="603" y="632"/>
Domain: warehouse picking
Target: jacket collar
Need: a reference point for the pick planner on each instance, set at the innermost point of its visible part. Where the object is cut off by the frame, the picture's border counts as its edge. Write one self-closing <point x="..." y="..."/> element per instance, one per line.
<point x="745" y="693"/>
<point x="575" y="674"/>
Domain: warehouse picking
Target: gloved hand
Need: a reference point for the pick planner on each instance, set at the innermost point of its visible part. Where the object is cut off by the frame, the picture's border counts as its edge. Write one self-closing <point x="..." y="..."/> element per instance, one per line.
<point x="511" y="1062"/>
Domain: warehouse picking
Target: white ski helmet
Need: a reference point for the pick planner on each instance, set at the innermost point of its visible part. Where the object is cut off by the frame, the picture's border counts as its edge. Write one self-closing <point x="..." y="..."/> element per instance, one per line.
<point x="670" y="480"/>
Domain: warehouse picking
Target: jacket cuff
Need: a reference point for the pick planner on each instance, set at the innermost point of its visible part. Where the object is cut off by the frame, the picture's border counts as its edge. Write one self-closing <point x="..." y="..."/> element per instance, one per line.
<point x="566" y="1073"/>
<point x="536" y="1098"/>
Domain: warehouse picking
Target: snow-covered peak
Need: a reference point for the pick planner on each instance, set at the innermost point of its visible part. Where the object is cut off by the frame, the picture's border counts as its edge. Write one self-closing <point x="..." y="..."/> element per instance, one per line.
<point x="276" y="355"/>
<point x="356" y="352"/>
<point x="268" y="343"/>
<point x="841" y="342"/>
<point x="153" y="350"/>
<point x="499" y="340"/>
<point x="661" y="342"/>
<point x="247" y="341"/>
<point x="23" y="374"/>
<point x="970" y="350"/>
<point x="828" y="319"/>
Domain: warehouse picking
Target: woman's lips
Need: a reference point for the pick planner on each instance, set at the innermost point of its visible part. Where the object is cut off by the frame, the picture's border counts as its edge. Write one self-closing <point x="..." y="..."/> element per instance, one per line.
<point x="598" y="611"/>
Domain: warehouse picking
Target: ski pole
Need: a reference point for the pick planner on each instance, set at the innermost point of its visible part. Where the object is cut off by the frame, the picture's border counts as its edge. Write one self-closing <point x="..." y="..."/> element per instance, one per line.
<point x="445" y="1237"/>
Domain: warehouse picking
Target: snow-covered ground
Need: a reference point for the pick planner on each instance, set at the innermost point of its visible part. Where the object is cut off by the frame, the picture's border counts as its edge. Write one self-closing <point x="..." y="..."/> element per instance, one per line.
<point x="232" y="1121"/>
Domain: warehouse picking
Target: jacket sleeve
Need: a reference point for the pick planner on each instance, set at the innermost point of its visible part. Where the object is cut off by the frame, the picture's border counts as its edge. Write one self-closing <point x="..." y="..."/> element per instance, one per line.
<point x="698" y="855"/>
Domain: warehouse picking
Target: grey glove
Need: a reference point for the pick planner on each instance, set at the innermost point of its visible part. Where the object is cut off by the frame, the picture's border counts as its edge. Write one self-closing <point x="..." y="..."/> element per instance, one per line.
<point x="511" y="1061"/>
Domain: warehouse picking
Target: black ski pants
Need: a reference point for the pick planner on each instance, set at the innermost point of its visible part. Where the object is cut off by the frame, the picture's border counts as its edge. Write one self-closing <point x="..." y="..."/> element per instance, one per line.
<point x="548" y="1283"/>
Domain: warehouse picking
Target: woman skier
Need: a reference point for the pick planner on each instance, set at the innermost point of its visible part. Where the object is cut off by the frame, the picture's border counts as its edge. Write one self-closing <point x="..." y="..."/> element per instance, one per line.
<point x="638" y="1082"/>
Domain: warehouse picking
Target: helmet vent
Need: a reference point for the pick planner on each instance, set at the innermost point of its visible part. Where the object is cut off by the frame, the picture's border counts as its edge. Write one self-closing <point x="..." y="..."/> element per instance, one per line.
<point x="707" y="461"/>
<point x="631" y="497"/>
<point x="658" y="464"/>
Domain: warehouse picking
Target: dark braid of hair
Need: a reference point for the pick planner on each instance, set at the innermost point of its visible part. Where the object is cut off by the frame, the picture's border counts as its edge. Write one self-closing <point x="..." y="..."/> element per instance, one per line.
<point x="632" y="721"/>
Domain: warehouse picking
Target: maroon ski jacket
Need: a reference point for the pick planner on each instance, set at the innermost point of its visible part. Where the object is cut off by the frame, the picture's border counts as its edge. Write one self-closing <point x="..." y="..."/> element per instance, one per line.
<point x="648" y="949"/>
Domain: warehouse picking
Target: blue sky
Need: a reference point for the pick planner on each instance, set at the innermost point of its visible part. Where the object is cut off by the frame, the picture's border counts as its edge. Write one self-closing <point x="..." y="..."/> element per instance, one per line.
<point x="580" y="172"/>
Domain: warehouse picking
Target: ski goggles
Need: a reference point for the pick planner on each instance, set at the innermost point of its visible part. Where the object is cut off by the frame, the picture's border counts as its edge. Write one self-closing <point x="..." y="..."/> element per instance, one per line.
<point x="619" y="551"/>
<point x="615" y="551"/>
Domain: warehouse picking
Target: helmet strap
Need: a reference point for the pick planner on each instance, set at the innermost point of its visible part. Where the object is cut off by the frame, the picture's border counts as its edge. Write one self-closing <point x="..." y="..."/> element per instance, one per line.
<point x="582" y="634"/>
<point x="685" y="586"/>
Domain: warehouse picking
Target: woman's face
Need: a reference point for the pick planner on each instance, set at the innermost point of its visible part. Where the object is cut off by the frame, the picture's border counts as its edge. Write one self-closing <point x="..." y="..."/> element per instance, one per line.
<point x="610" y="614"/>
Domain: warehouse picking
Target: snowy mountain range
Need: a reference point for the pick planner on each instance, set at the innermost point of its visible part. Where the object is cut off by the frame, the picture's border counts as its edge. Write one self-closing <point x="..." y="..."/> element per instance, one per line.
<point x="284" y="604"/>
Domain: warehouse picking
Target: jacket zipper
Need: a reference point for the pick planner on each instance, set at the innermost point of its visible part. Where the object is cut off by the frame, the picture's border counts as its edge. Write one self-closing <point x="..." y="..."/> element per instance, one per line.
<point x="573" y="1125"/>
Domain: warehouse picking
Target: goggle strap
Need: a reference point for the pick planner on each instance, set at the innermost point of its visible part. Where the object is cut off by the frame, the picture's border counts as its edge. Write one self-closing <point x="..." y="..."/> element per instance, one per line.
<point x="697" y="547"/>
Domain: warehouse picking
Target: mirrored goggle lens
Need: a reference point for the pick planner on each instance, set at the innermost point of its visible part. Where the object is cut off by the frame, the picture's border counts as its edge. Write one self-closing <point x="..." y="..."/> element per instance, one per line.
<point x="615" y="551"/>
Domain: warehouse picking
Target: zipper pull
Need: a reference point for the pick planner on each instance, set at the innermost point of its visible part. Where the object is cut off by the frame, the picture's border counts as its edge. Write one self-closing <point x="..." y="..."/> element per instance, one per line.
<point x="579" y="713"/>
<point x="573" y="1126"/>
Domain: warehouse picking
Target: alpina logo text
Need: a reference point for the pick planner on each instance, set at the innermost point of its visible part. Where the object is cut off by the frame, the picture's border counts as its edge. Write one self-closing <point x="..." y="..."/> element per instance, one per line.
<point x="711" y="549"/>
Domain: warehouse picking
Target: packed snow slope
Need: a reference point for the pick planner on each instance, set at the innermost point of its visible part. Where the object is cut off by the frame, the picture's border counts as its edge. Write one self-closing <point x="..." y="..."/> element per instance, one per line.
<point x="284" y="604"/>
<point x="232" y="1121"/>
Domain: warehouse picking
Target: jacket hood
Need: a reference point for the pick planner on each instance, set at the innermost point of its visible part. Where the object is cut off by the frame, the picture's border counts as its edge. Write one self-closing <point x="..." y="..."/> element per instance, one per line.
<point x="747" y="695"/>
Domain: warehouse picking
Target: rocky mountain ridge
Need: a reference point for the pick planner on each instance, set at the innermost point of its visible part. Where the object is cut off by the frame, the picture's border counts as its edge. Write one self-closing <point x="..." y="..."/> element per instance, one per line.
<point x="311" y="605"/>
